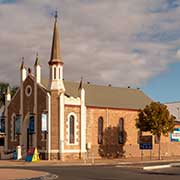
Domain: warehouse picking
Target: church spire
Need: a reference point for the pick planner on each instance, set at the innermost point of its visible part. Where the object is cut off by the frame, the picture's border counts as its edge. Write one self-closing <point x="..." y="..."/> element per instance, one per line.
<point x="55" y="63"/>
<point x="55" y="51"/>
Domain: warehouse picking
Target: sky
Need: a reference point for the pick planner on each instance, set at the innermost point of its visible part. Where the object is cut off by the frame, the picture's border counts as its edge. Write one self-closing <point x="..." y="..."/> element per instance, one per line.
<point x="123" y="43"/>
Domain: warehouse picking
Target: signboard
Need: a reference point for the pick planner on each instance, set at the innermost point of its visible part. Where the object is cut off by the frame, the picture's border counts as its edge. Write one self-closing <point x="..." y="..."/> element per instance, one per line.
<point x="145" y="142"/>
<point x="31" y="124"/>
<point x="175" y="136"/>
<point x="17" y="124"/>
<point x="44" y="122"/>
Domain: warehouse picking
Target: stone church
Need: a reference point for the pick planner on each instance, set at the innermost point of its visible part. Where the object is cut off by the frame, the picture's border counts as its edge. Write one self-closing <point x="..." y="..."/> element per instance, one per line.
<point x="69" y="120"/>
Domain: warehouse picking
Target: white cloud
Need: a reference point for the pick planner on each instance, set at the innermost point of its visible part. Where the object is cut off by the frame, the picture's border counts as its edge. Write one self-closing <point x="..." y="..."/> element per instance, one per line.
<point x="108" y="42"/>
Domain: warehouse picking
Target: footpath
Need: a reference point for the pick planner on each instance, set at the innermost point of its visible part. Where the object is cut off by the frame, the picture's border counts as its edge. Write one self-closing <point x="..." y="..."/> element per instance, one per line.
<point x="13" y="169"/>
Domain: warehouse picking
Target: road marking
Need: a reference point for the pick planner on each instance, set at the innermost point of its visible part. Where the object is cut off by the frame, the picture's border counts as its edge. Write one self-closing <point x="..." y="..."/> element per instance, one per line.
<point x="157" y="167"/>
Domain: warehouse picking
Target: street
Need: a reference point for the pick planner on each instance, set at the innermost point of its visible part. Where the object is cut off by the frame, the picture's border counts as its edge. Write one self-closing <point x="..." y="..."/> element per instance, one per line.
<point x="108" y="172"/>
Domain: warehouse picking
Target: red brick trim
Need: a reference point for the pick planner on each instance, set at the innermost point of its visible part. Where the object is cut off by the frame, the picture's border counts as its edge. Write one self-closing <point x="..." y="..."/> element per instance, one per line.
<point x="70" y="105"/>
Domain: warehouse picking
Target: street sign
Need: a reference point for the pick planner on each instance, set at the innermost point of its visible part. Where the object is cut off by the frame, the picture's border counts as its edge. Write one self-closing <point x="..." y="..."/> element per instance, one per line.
<point x="145" y="142"/>
<point x="145" y="146"/>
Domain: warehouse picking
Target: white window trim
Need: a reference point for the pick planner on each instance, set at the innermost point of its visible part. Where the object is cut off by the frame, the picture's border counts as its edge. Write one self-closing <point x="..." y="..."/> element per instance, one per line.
<point x="75" y="129"/>
<point x="13" y="118"/>
<point x="26" y="90"/>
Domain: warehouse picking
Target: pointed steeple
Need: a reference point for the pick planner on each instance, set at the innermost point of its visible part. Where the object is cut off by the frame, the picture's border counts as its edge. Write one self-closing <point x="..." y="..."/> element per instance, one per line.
<point x="23" y="73"/>
<point x="22" y="64"/>
<point x="37" y="69"/>
<point x="55" y="63"/>
<point x="37" y="60"/>
<point x="55" y="51"/>
<point x="80" y="84"/>
<point x="8" y="90"/>
<point x="7" y="95"/>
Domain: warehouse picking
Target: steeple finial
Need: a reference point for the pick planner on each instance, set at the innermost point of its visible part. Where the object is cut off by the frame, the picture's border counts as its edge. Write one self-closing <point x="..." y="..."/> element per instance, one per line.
<point x="56" y="14"/>
<point x="55" y="50"/>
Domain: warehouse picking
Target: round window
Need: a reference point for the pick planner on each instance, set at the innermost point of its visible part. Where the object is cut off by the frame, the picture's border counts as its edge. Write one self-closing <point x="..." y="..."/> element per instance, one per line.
<point x="28" y="90"/>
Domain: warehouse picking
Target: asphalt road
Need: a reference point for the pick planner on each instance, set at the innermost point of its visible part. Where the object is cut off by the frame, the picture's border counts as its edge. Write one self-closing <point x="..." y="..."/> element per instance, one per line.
<point x="110" y="173"/>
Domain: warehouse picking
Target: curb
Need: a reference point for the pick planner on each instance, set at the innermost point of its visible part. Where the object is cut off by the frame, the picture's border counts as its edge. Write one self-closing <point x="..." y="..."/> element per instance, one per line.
<point x="45" y="177"/>
<point x="161" y="166"/>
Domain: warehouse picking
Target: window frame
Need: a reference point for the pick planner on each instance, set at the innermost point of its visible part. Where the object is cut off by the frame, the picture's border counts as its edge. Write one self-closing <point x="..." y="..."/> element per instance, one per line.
<point x="121" y="131"/>
<point x="100" y="130"/>
<point x="13" y="128"/>
<point x="76" y="131"/>
<point x="54" y="73"/>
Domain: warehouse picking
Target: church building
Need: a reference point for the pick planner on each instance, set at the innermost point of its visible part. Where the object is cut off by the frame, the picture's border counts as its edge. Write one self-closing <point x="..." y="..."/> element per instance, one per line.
<point x="67" y="120"/>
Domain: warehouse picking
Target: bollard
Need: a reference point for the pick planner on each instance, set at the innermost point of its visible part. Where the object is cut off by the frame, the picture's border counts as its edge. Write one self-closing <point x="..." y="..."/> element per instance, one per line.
<point x="18" y="151"/>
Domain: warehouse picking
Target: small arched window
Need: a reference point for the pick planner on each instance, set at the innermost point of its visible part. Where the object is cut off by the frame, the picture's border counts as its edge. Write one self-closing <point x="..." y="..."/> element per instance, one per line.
<point x="121" y="131"/>
<point x="72" y="129"/>
<point x="54" y="73"/>
<point x="100" y="130"/>
<point x="59" y="73"/>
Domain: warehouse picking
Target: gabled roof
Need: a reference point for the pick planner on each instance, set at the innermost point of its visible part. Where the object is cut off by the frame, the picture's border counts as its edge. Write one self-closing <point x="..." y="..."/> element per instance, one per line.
<point x="110" y="97"/>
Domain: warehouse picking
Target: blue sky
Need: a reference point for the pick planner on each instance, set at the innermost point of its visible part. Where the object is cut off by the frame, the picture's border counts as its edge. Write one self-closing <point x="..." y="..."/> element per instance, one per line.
<point x="124" y="43"/>
<point x="165" y="87"/>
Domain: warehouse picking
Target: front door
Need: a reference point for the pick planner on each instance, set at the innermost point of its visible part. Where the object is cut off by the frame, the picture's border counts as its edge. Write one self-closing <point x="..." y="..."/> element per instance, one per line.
<point x="29" y="139"/>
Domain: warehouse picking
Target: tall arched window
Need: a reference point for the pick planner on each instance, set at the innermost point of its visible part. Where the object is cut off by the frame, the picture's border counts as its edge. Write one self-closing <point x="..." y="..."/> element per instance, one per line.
<point x="121" y="131"/>
<point x="100" y="130"/>
<point x="72" y="129"/>
<point x="59" y="73"/>
<point x="14" y="128"/>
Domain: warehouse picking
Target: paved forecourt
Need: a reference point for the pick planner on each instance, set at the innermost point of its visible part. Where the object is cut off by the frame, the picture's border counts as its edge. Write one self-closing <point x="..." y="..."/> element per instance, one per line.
<point x="13" y="174"/>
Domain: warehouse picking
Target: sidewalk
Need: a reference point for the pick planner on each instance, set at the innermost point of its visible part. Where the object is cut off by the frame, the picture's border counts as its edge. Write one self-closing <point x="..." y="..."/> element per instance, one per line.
<point x="7" y="172"/>
<point x="10" y="174"/>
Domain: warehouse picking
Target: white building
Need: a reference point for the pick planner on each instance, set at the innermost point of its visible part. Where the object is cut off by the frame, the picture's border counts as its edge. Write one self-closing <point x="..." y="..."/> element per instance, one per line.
<point x="174" y="109"/>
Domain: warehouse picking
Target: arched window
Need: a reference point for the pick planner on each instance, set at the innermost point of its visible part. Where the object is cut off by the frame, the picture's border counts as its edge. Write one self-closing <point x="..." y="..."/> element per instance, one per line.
<point x="14" y="128"/>
<point x="2" y="124"/>
<point x="72" y="129"/>
<point x="59" y="73"/>
<point x="54" y="73"/>
<point x="121" y="131"/>
<point x="100" y="130"/>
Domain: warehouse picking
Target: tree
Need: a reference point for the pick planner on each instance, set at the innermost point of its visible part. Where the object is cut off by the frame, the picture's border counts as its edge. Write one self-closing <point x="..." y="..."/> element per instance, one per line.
<point x="156" y="119"/>
<point x="3" y="88"/>
<point x="111" y="148"/>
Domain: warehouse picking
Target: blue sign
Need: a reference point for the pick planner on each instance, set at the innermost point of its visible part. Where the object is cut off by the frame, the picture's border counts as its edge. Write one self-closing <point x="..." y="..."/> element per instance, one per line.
<point x="175" y="136"/>
<point x="31" y="124"/>
<point x="146" y="142"/>
<point x="145" y="146"/>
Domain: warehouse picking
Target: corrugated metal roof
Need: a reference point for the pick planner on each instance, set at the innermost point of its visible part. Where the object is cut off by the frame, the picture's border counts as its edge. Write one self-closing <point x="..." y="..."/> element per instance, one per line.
<point x="107" y="96"/>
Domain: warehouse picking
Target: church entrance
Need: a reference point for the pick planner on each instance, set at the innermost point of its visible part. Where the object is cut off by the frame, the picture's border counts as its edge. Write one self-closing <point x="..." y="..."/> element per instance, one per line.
<point x="28" y="133"/>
